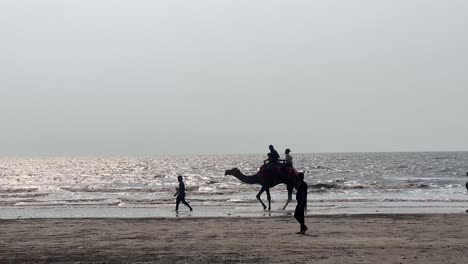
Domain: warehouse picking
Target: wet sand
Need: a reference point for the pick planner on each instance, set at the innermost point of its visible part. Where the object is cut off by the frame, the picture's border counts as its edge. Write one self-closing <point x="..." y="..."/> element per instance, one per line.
<point x="330" y="239"/>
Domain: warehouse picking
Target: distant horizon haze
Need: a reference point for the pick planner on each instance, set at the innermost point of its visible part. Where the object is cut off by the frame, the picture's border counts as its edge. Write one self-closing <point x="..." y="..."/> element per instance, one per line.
<point x="117" y="78"/>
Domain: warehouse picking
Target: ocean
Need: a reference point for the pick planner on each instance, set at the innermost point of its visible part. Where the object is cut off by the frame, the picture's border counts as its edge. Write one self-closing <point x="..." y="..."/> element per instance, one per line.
<point x="351" y="183"/>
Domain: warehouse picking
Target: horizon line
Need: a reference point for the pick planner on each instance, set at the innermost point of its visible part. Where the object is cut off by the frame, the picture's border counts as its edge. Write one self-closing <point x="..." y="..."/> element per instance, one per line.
<point x="209" y="154"/>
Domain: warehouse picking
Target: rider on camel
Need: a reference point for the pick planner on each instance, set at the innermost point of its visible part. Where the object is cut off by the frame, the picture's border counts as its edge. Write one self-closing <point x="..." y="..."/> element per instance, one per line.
<point x="274" y="159"/>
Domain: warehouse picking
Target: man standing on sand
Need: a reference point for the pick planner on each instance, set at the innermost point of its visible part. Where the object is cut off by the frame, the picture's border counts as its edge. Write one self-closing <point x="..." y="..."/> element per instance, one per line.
<point x="181" y="194"/>
<point x="301" y="198"/>
<point x="466" y="185"/>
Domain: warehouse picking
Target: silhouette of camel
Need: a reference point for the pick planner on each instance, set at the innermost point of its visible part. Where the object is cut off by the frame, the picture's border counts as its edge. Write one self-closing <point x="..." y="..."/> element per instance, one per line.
<point x="268" y="178"/>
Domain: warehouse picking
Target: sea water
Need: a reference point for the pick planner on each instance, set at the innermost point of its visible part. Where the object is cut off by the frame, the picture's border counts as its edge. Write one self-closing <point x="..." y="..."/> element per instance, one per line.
<point x="419" y="182"/>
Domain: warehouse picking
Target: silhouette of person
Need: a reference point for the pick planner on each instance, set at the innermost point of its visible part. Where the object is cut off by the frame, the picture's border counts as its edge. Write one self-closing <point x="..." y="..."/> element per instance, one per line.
<point x="180" y="193"/>
<point x="289" y="162"/>
<point x="274" y="155"/>
<point x="268" y="160"/>
<point x="301" y="198"/>
<point x="466" y="185"/>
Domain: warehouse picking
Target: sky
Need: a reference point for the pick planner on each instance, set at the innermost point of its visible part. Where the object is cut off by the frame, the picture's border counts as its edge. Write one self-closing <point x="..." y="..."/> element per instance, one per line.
<point x="114" y="77"/>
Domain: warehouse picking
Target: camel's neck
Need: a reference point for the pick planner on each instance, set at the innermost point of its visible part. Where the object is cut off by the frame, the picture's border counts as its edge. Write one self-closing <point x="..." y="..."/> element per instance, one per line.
<point x="254" y="179"/>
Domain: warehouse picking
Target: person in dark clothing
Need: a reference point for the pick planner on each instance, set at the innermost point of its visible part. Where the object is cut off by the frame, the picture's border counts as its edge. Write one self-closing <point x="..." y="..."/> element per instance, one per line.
<point x="181" y="194"/>
<point x="274" y="155"/>
<point x="267" y="161"/>
<point x="301" y="198"/>
<point x="288" y="160"/>
<point x="466" y="185"/>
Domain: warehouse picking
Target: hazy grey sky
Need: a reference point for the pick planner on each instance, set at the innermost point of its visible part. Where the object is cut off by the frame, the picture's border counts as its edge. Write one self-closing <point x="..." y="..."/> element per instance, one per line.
<point x="152" y="77"/>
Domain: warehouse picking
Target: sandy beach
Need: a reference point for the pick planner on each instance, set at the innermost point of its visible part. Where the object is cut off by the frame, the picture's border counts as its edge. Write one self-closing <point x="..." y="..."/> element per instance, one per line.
<point x="331" y="239"/>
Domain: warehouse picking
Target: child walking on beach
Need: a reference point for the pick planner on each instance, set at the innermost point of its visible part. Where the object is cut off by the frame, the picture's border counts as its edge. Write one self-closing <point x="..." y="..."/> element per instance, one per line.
<point x="180" y="193"/>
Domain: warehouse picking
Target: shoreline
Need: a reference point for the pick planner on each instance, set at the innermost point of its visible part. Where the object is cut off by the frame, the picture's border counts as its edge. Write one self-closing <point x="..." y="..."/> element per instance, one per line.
<point x="237" y="210"/>
<point x="199" y="218"/>
<point x="385" y="238"/>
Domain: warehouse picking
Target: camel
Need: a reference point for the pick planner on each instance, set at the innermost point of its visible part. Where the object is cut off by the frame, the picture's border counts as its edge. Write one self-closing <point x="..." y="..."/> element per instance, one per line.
<point x="268" y="178"/>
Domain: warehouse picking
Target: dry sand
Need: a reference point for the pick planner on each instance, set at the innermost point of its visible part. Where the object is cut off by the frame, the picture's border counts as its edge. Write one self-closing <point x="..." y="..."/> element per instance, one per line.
<point x="331" y="239"/>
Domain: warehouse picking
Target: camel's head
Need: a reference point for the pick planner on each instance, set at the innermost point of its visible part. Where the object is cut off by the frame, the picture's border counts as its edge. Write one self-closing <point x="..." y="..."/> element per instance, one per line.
<point x="232" y="172"/>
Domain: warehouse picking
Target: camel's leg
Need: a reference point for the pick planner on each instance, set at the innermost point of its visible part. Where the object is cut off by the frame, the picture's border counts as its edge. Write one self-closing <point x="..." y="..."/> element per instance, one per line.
<point x="260" y="199"/>
<point x="290" y="189"/>
<point x="268" y="198"/>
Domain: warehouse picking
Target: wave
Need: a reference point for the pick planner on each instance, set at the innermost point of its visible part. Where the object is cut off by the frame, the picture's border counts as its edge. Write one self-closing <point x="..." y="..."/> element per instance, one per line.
<point x="112" y="190"/>
<point x="317" y="202"/>
<point x="84" y="200"/>
<point x="322" y="167"/>
<point x="146" y="201"/>
<point x="23" y="195"/>
<point x="172" y="200"/>
<point x="338" y="185"/>
<point x="7" y="203"/>
<point x="365" y="200"/>
<point x="441" y="158"/>
<point x="34" y="203"/>
<point x="18" y="190"/>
